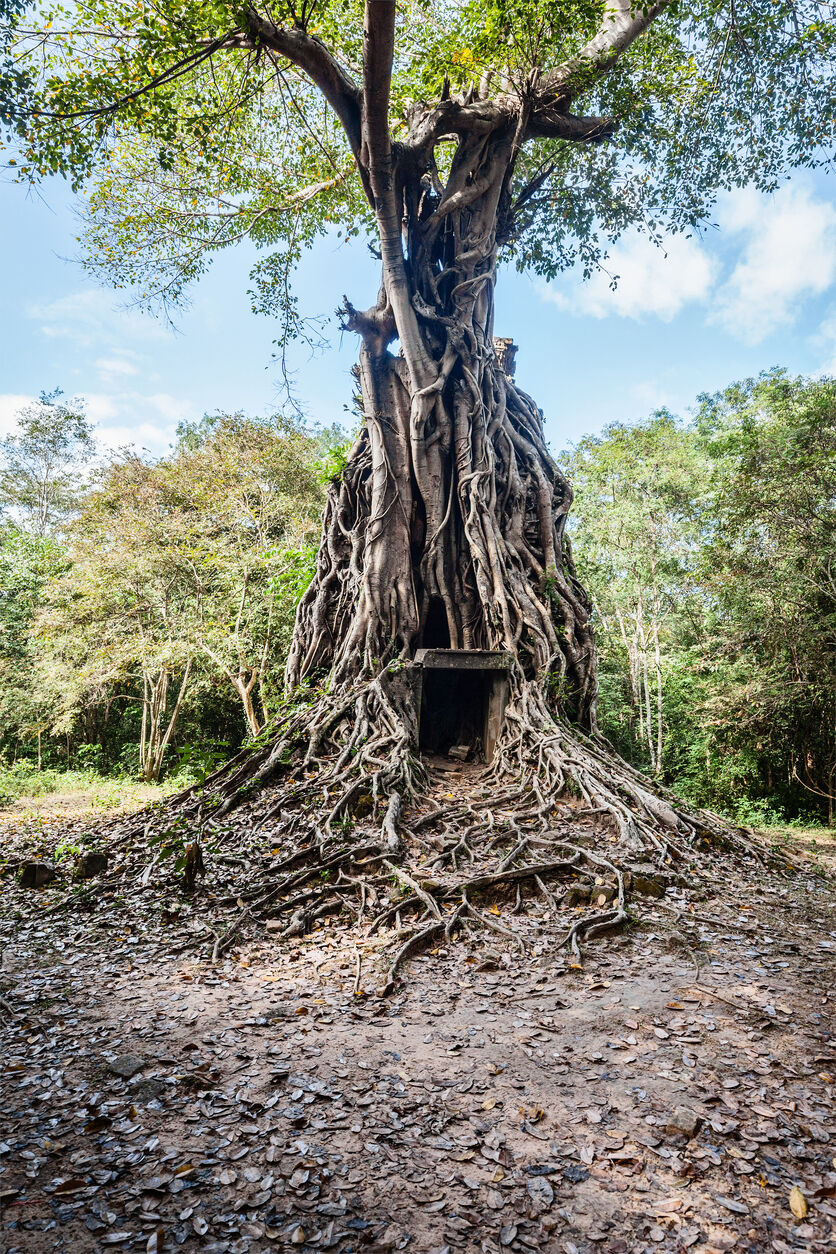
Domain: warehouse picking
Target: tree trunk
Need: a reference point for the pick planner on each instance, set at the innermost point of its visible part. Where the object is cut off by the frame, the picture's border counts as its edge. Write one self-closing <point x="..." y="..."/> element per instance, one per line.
<point x="243" y="685"/>
<point x="155" y="732"/>
<point x="447" y="524"/>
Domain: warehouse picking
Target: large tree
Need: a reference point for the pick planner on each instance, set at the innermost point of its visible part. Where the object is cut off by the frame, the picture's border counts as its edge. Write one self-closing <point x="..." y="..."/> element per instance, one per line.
<point x="453" y="134"/>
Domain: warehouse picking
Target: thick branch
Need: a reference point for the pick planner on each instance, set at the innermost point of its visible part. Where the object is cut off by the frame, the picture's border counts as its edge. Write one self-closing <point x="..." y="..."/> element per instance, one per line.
<point x="553" y="123"/>
<point x="624" y="21"/>
<point x="324" y="71"/>
<point x="456" y="116"/>
<point x="550" y="120"/>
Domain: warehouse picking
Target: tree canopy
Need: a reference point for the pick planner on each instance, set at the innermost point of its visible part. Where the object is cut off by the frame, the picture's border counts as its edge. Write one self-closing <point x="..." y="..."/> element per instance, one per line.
<point x="194" y="124"/>
<point x="707" y="547"/>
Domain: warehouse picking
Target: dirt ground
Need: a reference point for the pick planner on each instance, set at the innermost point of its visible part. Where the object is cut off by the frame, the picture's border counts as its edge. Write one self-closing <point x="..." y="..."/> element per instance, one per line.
<point x="77" y="804"/>
<point x="676" y="1093"/>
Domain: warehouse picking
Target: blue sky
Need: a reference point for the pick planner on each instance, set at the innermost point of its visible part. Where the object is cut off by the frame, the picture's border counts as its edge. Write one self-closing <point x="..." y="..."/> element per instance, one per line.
<point x="757" y="290"/>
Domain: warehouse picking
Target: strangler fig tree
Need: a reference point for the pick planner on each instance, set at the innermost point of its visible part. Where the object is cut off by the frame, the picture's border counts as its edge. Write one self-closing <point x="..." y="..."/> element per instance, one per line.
<point x="450" y="134"/>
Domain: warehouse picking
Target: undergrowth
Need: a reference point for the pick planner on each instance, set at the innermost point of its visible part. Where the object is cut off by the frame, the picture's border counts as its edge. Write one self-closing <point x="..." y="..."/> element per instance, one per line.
<point x="22" y="780"/>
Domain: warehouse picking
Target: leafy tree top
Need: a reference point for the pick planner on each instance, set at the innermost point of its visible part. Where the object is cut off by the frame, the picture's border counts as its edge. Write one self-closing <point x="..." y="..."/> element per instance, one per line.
<point x="41" y="462"/>
<point x="196" y="123"/>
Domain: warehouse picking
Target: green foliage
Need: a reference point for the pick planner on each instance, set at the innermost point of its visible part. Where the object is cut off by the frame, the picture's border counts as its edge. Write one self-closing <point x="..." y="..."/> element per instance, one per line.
<point x="182" y="573"/>
<point x="188" y="141"/>
<point x="196" y="762"/>
<point x="27" y="562"/>
<point x="713" y="540"/>
<point x="635" y="501"/>
<point x="40" y="464"/>
<point x="189" y="562"/>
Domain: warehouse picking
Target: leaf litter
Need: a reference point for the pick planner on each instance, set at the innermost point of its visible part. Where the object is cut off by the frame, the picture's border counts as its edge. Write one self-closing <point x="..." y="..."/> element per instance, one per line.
<point x="674" y="1093"/>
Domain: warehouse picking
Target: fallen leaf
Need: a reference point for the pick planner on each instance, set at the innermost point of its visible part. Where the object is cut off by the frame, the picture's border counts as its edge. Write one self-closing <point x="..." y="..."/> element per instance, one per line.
<point x="729" y="1203"/>
<point x="71" y="1186"/>
<point x="798" y="1203"/>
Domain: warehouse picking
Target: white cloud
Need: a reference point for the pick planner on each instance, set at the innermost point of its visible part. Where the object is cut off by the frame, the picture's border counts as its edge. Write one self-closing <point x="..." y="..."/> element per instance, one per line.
<point x="650" y="280"/>
<point x="11" y="403"/>
<point x="90" y="319"/>
<point x="109" y="366"/>
<point x="171" y="409"/>
<point x="652" y="395"/>
<point x="100" y="407"/>
<point x="789" y="255"/>
<point x="139" y="435"/>
<point x="825" y="339"/>
<point x="783" y="253"/>
<point x="132" y="418"/>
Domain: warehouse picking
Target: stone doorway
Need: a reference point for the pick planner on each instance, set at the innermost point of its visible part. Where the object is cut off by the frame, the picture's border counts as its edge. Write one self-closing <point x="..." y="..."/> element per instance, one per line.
<point x="462" y="695"/>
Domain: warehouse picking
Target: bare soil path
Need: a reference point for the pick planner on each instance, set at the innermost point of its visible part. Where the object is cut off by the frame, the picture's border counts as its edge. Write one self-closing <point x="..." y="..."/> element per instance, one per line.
<point x="676" y="1093"/>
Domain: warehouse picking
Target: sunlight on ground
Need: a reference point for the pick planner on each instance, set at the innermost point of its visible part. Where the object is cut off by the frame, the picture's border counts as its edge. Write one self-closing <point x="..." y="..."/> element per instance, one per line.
<point x="77" y="800"/>
<point x="816" y="844"/>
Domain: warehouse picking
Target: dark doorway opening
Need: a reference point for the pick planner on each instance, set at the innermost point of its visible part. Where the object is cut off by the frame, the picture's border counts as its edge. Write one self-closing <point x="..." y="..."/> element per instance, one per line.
<point x="454" y="709"/>
<point x="436" y="633"/>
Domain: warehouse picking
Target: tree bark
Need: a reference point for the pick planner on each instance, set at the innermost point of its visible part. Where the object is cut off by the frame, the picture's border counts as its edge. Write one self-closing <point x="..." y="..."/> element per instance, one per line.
<point x="450" y="509"/>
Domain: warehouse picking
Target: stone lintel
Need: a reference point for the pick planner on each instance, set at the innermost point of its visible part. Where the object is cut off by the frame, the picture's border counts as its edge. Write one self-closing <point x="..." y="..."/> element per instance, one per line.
<point x="463" y="659"/>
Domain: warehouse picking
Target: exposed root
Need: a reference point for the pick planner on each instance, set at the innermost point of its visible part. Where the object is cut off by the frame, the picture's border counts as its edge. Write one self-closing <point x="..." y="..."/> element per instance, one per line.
<point x="449" y="514"/>
<point x="342" y="792"/>
<point x="337" y="753"/>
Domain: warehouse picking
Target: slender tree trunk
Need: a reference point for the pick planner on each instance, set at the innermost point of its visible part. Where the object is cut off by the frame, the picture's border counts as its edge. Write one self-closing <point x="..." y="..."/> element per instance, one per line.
<point x="657" y="660"/>
<point x="630" y="649"/>
<point x="642" y="651"/>
<point x="156" y="733"/>
<point x="143" y="734"/>
<point x="165" y="737"/>
<point x="244" y="687"/>
<point x="159" y="700"/>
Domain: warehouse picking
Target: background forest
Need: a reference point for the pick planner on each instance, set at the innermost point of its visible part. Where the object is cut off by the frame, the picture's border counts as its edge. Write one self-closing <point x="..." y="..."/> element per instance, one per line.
<point x="146" y="606"/>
